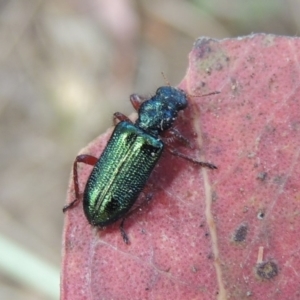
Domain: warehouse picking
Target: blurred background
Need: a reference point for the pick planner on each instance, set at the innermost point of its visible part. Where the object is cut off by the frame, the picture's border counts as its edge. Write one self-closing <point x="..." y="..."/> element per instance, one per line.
<point x="66" y="67"/>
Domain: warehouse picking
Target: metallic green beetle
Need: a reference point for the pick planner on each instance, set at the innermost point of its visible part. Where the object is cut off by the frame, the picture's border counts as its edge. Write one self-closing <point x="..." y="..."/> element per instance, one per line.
<point x="133" y="150"/>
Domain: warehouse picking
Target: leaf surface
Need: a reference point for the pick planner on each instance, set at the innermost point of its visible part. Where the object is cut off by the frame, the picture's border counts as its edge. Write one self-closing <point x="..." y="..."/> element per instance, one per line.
<point x="209" y="234"/>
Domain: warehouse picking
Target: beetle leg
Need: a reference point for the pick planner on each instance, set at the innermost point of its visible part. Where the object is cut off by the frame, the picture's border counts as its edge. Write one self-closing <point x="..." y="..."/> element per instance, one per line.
<point x="122" y="230"/>
<point x="147" y="197"/>
<point x="136" y="101"/>
<point x="123" y="233"/>
<point x="121" y="117"/>
<point x="86" y="159"/>
<point x="180" y="137"/>
<point x="184" y="140"/>
<point x="192" y="160"/>
<point x="173" y="134"/>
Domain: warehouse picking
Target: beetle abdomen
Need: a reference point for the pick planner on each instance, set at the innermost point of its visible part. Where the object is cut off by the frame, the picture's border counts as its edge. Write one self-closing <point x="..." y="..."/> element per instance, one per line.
<point x="120" y="174"/>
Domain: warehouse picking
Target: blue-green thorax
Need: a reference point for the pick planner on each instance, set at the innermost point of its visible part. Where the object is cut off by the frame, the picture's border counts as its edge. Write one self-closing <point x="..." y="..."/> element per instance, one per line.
<point x="159" y="112"/>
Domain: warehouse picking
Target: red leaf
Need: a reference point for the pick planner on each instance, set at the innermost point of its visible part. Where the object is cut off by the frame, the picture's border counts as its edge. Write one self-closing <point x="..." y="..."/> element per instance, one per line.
<point x="207" y="234"/>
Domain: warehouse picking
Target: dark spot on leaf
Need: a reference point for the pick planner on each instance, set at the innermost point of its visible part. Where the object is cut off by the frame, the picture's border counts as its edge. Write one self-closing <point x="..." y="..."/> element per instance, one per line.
<point x="203" y="46"/>
<point x="241" y="233"/>
<point x="261" y="214"/>
<point x="280" y="179"/>
<point x="210" y="256"/>
<point x="262" y="176"/>
<point x="266" y="270"/>
<point x="214" y="196"/>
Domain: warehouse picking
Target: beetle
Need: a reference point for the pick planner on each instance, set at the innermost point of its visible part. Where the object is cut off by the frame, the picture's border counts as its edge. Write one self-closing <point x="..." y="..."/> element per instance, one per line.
<point x="133" y="150"/>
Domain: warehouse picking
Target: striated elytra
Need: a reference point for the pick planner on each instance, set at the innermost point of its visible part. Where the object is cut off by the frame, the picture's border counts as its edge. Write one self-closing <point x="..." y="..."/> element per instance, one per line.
<point x="133" y="150"/>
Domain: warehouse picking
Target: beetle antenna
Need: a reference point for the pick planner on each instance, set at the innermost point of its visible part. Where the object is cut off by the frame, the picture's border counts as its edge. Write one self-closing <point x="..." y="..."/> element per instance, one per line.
<point x="204" y="95"/>
<point x="165" y="79"/>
